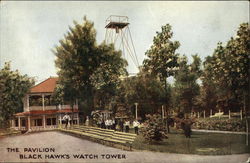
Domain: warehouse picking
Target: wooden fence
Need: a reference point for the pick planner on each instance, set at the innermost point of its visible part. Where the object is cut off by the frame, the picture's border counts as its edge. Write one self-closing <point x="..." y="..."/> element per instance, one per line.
<point x="203" y="114"/>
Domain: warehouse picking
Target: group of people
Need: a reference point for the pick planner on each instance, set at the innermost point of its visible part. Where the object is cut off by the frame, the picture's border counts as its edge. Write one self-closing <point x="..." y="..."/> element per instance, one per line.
<point x="126" y="124"/>
<point x="119" y="125"/>
<point x="107" y="124"/>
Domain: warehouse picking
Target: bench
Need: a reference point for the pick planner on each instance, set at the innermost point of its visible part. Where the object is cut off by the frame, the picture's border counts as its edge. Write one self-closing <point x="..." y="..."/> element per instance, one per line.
<point x="217" y="115"/>
<point x="122" y="138"/>
<point x="103" y="136"/>
<point x="84" y="131"/>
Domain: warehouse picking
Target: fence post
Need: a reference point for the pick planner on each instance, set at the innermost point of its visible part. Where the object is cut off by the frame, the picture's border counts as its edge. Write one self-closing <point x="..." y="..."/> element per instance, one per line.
<point x="229" y="116"/>
<point x="211" y="112"/>
<point x="204" y="114"/>
<point x="240" y="114"/>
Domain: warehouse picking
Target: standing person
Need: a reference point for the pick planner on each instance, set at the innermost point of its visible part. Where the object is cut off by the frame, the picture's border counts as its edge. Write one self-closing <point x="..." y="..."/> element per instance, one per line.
<point x="66" y="118"/>
<point x="121" y="122"/>
<point x="110" y="123"/>
<point x="107" y="123"/>
<point x="87" y="121"/>
<point x="103" y="124"/>
<point x="136" y="126"/>
<point x="99" y="122"/>
<point x="126" y="124"/>
<point x="113" y="124"/>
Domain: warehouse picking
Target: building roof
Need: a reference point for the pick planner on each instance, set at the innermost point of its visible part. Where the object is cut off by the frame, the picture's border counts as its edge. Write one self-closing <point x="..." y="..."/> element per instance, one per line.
<point x="47" y="86"/>
<point x="47" y="112"/>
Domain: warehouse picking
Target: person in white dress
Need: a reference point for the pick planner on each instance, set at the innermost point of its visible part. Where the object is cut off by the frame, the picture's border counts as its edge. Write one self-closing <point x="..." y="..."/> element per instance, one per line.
<point x="87" y="121"/>
<point x="126" y="124"/>
<point x="66" y="118"/>
<point x="136" y="125"/>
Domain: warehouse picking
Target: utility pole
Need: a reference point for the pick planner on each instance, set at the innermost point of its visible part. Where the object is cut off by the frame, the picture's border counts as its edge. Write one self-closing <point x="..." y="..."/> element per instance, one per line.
<point x="136" y="104"/>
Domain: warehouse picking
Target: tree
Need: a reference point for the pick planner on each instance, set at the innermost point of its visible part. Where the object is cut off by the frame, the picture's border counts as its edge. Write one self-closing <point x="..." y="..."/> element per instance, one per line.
<point x="230" y="65"/>
<point x="162" y="56"/>
<point x="84" y="67"/>
<point x="13" y="87"/>
<point x="208" y="92"/>
<point x="144" y="89"/>
<point x="186" y="88"/>
<point x="106" y="78"/>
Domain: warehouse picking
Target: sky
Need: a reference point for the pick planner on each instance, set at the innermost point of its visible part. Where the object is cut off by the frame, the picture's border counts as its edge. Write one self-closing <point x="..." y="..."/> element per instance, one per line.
<point x="30" y="30"/>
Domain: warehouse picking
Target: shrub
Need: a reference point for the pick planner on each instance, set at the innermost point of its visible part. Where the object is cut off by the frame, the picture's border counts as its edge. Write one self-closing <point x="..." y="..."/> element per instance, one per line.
<point x="221" y="124"/>
<point x="154" y="129"/>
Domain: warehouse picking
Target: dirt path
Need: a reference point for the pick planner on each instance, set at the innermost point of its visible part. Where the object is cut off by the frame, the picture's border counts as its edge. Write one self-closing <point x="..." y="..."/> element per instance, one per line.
<point x="65" y="146"/>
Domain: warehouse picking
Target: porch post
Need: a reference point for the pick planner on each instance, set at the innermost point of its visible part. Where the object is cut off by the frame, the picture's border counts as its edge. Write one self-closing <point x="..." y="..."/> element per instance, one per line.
<point x="28" y="123"/>
<point x="44" y="122"/>
<point x="77" y="118"/>
<point x="12" y="123"/>
<point x="43" y="100"/>
<point x="28" y="103"/>
<point x="19" y="123"/>
<point x="60" y="120"/>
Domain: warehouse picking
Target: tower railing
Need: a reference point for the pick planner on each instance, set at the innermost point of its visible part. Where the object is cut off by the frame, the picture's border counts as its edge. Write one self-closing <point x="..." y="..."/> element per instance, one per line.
<point x="116" y="18"/>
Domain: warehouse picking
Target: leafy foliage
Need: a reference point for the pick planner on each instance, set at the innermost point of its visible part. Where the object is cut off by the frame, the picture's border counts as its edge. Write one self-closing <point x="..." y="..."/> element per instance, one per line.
<point x="13" y="87"/>
<point x="186" y="87"/>
<point x="221" y="124"/>
<point x="229" y="79"/>
<point x="84" y="67"/>
<point x="162" y="56"/>
<point x="154" y="128"/>
<point x="144" y="89"/>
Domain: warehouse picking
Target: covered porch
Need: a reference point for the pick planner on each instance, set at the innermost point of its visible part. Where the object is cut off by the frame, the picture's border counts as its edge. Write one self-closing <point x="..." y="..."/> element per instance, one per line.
<point x="36" y="121"/>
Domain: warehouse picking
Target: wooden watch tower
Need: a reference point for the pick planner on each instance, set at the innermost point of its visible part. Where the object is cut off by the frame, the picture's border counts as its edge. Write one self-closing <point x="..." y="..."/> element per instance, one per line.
<point x="118" y="33"/>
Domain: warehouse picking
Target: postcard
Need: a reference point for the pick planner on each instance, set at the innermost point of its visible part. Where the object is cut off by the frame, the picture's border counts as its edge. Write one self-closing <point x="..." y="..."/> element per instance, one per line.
<point x="124" y="81"/>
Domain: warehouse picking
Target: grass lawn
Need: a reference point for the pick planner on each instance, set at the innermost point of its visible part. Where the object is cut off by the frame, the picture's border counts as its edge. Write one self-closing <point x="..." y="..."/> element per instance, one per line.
<point x="199" y="143"/>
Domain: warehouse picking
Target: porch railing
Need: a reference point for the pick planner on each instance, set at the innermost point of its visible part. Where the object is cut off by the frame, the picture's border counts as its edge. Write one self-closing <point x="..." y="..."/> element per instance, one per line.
<point x="21" y="128"/>
<point x="40" y="128"/>
<point x="51" y="107"/>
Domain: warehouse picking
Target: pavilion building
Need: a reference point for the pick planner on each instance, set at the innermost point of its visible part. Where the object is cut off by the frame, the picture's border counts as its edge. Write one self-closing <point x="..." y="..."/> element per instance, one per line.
<point x="39" y="111"/>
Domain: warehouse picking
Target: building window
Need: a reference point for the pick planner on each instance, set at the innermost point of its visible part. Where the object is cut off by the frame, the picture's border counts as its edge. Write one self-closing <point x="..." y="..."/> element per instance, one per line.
<point x="23" y="122"/>
<point x="48" y="121"/>
<point x="51" y="121"/>
<point x="38" y="122"/>
<point x="16" y="122"/>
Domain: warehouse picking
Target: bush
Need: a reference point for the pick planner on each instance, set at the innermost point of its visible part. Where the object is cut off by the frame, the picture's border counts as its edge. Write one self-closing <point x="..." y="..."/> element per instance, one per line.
<point x="154" y="128"/>
<point x="221" y="124"/>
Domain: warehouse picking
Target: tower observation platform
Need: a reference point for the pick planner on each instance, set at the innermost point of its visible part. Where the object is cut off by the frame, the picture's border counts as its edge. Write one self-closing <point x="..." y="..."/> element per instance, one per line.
<point x="118" y="33"/>
<point x="116" y="22"/>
